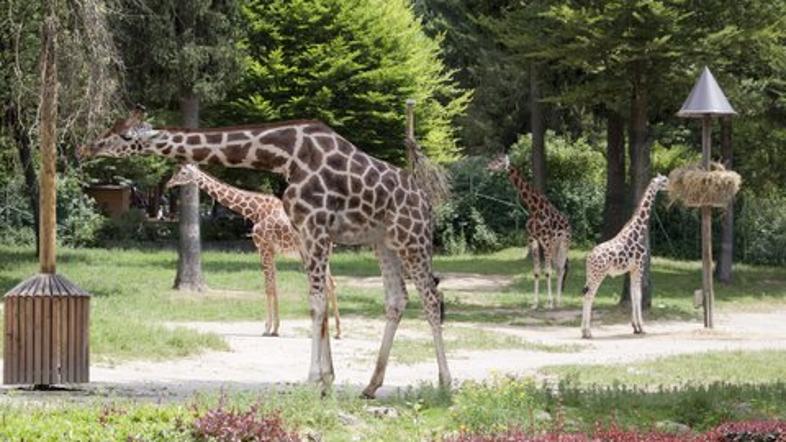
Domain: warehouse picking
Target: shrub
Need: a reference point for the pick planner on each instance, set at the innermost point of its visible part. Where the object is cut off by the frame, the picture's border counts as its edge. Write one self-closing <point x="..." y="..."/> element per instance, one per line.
<point x="494" y="405"/>
<point x="78" y="220"/>
<point x="16" y="219"/>
<point x="230" y="425"/>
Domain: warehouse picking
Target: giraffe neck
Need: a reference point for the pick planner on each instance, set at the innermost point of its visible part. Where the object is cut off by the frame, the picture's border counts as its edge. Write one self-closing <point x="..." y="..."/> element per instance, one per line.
<point x="641" y="217"/>
<point x="528" y="194"/>
<point x="240" y="201"/>
<point x="263" y="147"/>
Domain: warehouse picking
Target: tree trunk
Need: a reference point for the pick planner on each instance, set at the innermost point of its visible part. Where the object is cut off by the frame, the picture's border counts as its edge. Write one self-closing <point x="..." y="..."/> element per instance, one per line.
<point x="726" y="255"/>
<point x="614" y="204"/>
<point x="639" y="176"/>
<point x="538" y="130"/>
<point x="189" y="264"/>
<point x="22" y="141"/>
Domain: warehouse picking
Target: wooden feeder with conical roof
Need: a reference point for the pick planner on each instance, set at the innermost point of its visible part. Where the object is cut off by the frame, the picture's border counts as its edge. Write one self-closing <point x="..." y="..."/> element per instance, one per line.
<point x="706" y="100"/>
<point x="47" y="316"/>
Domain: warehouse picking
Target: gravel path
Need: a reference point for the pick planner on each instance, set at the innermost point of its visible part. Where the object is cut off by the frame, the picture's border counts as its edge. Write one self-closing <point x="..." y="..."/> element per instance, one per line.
<point x="256" y="363"/>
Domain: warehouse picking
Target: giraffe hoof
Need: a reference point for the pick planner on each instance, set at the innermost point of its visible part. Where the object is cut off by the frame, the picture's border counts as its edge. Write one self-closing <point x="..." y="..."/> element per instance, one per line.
<point x="270" y="334"/>
<point x="639" y="332"/>
<point x="368" y="394"/>
<point x="586" y="335"/>
<point x="337" y="337"/>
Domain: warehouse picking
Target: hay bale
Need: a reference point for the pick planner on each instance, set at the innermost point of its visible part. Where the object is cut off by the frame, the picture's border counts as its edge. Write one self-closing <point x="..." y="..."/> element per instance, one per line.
<point x="429" y="176"/>
<point x="695" y="187"/>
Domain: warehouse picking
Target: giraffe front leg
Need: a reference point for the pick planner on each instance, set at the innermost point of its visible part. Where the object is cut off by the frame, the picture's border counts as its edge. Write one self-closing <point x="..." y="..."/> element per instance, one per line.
<point x="590" y="289"/>
<point x="635" y="301"/>
<point x="534" y="252"/>
<point x="316" y="259"/>
<point x="267" y="263"/>
<point x="395" y="303"/>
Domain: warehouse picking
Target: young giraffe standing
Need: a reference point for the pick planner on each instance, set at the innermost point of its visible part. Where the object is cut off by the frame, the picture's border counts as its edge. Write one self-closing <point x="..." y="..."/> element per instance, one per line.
<point x="272" y="233"/>
<point x="336" y="193"/>
<point x="625" y="253"/>
<point x="548" y="229"/>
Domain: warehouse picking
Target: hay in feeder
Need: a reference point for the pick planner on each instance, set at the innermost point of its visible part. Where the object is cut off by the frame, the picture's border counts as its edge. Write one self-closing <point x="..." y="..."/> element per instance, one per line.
<point x="429" y="176"/>
<point x="695" y="187"/>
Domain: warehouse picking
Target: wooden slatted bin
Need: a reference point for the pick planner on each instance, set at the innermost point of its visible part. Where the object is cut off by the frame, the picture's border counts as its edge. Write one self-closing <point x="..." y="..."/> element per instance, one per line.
<point x="47" y="332"/>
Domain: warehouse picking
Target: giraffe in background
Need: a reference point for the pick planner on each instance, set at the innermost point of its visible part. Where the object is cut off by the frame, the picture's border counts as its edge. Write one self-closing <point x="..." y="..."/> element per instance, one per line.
<point x="336" y="194"/>
<point x="549" y="231"/>
<point x="272" y="233"/>
<point x="625" y="253"/>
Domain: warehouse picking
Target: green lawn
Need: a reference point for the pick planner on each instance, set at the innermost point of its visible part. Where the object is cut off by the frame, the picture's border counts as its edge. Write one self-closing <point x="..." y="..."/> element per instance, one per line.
<point x="737" y="367"/>
<point x="132" y="293"/>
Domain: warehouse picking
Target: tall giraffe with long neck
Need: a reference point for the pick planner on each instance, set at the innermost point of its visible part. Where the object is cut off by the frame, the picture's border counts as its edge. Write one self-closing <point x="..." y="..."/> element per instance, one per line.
<point x="625" y="253"/>
<point x="336" y="194"/>
<point x="548" y="229"/>
<point x="272" y="233"/>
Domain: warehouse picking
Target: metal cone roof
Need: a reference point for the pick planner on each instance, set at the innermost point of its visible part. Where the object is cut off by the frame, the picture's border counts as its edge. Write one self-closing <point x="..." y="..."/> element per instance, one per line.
<point x="706" y="98"/>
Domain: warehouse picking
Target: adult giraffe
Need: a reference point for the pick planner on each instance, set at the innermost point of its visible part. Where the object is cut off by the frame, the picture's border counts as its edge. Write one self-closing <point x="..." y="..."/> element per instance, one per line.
<point x="336" y="193"/>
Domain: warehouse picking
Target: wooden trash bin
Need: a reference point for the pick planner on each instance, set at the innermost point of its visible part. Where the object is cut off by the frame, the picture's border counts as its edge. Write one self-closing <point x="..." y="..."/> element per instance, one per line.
<point x="47" y="332"/>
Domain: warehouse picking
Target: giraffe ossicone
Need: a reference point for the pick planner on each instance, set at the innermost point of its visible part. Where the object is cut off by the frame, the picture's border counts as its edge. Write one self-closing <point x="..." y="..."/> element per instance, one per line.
<point x="336" y="194"/>
<point x="625" y="253"/>
<point x="548" y="229"/>
<point x="272" y="233"/>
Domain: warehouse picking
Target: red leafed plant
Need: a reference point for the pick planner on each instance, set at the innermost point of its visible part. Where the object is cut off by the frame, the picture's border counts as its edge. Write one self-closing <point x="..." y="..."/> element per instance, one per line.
<point x="231" y="425"/>
<point x="748" y="431"/>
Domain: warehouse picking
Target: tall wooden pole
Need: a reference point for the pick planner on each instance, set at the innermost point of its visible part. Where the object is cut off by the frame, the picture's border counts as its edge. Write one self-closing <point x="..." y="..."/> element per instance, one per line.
<point x="47" y="126"/>
<point x="706" y="228"/>
<point x="409" y="130"/>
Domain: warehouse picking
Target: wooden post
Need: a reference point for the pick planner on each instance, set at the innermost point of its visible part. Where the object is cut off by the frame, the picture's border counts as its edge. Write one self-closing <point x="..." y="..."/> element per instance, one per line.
<point x="47" y="126"/>
<point x="409" y="131"/>
<point x="706" y="228"/>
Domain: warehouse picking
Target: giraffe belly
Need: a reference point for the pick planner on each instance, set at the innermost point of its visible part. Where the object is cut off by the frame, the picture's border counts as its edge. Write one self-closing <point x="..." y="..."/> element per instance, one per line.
<point x="350" y="234"/>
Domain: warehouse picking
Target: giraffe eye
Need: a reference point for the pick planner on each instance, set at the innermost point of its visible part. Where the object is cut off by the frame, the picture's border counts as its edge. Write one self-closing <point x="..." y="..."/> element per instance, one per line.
<point x="125" y="137"/>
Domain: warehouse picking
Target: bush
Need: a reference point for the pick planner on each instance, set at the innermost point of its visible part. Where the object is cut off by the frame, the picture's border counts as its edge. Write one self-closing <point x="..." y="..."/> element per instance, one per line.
<point x="494" y="405"/>
<point x="230" y="425"/>
<point x="78" y="220"/>
<point x="761" y="230"/>
<point x="16" y="219"/>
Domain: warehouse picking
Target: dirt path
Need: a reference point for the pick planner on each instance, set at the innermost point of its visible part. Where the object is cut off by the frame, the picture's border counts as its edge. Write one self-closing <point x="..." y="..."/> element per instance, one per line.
<point x="258" y="363"/>
<point x="255" y="362"/>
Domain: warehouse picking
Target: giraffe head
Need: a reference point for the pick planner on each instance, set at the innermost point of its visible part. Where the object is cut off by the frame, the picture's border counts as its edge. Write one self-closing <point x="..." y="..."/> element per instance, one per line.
<point x="499" y="163"/>
<point x="185" y="173"/>
<point x="660" y="182"/>
<point x="126" y="137"/>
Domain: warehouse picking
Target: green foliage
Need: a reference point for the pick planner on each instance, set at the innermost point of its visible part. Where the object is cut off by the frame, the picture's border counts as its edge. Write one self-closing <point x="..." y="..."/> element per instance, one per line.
<point x="459" y="233"/>
<point x="351" y="64"/>
<point x="175" y="48"/>
<point x="78" y="219"/>
<point x="16" y="219"/>
<point x="761" y="230"/>
<point x="576" y="180"/>
<point x="134" y="227"/>
<point x="494" y="405"/>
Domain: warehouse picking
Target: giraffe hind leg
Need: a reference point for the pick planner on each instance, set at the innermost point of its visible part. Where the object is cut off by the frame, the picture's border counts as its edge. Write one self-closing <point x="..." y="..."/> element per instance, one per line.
<point x="535" y="251"/>
<point x="562" y="269"/>
<point x="333" y="301"/>
<point x="635" y="302"/>
<point x="268" y="265"/>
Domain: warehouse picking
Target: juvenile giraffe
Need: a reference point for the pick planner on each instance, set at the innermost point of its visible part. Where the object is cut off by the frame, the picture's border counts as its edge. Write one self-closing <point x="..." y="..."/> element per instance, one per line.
<point x="336" y="194"/>
<point x="272" y="233"/>
<point x="548" y="229"/>
<point x="625" y="253"/>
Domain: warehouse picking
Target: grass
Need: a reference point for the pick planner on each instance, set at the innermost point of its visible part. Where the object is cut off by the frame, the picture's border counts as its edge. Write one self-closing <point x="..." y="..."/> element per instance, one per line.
<point x="737" y="367"/>
<point x="132" y="294"/>
<point x="423" y="413"/>
<point x="460" y="339"/>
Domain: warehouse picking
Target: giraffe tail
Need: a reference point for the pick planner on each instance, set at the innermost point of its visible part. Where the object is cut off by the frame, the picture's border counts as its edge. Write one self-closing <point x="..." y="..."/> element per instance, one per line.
<point x="441" y="299"/>
<point x="565" y="273"/>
